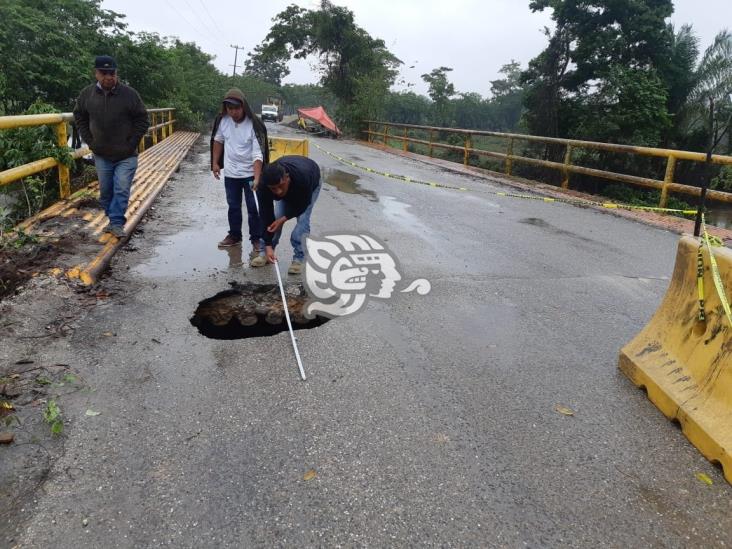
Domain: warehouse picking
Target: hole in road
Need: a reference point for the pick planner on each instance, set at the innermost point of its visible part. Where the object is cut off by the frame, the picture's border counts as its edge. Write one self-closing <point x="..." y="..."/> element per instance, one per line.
<point x="346" y="183"/>
<point x="252" y="310"/>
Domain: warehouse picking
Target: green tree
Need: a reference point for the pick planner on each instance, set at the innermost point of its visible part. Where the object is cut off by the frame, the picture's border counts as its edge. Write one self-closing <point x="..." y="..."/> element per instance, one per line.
<point x="546" y="101"/>
<point x="269" y="66"/>
<point x="349" y="58"/>
<point x="406" y="108"/>
<point x="441" y="90"/>
<point x="603" y="33"/>
<point x="308" y="95"/>
<point x="471" y="111"/>
<point x="591" y="40"/>
<point x="712" y="89"/>
<point x="628" y="106"/>
<point x="508" y="97"/>
<point x="680" y="72"/>
<point x="46" y="49"/>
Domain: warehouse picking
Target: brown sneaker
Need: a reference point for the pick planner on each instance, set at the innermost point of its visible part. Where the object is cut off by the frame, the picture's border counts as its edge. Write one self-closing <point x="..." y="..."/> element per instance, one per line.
<point x="295" y="268"/>
<point x="258" y="261"/>
<point x="229" y="241"/>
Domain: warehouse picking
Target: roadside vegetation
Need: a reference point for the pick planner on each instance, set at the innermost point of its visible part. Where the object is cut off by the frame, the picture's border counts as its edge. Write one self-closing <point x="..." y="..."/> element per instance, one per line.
<point x="611" y="71"/>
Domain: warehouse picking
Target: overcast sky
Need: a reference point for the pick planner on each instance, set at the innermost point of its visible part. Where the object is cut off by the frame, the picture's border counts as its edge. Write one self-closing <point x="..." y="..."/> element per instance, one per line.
<point x="474" y="37"/>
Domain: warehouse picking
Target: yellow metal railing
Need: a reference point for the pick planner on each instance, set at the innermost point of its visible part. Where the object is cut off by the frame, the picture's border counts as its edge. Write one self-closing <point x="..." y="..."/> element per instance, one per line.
<point x="379" y="132"/>
<point x="162" y="120"/>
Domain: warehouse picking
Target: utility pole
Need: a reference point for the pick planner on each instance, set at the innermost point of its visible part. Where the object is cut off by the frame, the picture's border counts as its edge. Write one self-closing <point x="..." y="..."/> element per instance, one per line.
<point x="236" y="54"/>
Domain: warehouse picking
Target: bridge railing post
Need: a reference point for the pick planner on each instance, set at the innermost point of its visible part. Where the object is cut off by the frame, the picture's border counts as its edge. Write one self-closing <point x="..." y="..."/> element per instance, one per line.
<point x="509" y="156"/>
<point x="567" y="162"/>
<point x="405" y="143"/>
<point x="386" y="135"/>
<point x="432" y="140"/>
<point x="468" y="146"/>
<point x="667" y="179"/>
<point x="64" y="182"/>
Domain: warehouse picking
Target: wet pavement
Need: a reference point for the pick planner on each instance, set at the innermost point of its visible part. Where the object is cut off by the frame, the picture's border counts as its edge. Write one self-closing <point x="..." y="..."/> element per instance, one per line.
<point x="425" y="421"/>
<point x="346" y="183"/>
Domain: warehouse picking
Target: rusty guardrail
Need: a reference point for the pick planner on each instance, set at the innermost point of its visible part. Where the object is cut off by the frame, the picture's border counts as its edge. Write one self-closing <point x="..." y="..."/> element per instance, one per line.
<point x="565" y="168"/>
<point x="161" y="120"/>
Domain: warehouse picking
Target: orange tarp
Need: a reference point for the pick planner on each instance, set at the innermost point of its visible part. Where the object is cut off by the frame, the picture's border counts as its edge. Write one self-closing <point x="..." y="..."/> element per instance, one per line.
<point x="319" y="115"/>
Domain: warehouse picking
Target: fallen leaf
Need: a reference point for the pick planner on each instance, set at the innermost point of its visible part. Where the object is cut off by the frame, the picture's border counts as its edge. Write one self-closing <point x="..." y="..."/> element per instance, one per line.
<point x="5" y="405"/>
<point x="108" y="334"/>
<point x="310" y="475"/>
<point x="704" y="478"/>
<point x="92" y="413"/>
<point x="564" y="410"/>
<point x="6" y="438"/>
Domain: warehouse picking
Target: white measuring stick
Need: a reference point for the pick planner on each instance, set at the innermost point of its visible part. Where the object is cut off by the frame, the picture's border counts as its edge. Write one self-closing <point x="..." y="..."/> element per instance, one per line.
<point x="289" y="324"/>
<point x="284" y="303"/>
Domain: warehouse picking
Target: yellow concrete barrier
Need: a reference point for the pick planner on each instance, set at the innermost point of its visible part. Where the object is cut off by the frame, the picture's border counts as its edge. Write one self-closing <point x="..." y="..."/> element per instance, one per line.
<point x="282" y="146"/>
<point x="685" y="363"/>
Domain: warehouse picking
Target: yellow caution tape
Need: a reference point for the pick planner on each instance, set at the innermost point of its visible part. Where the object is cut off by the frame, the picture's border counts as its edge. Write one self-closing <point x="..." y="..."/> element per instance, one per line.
<point x="715" y="273"/>
<point x="574" y="202"/>
<point x="700" y="280"/>
<point x="404" y="178"/>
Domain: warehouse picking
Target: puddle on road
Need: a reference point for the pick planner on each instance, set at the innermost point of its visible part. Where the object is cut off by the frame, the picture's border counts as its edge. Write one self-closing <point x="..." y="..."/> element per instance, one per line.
<point x="191" y="249"/>
<point x="252" y="310"/>
<point x="346" y="183"/>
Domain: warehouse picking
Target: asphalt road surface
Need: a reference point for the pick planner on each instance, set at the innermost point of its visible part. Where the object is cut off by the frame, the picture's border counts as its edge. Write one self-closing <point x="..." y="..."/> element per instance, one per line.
<point x="427" y="420"/>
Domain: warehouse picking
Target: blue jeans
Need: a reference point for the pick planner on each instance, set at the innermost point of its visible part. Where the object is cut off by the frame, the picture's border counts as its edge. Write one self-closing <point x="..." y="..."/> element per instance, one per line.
<point x="301" y="230"/>
<point x="115" y="182"/>
<point x="235" y="187"/>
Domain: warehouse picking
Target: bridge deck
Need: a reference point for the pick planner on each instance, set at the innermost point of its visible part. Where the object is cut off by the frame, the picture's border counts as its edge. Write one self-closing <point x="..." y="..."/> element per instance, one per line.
<point x="77" y="223"/>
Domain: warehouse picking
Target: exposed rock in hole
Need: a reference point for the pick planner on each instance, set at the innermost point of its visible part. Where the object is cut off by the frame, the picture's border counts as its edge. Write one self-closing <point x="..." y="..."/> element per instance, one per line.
<point x="252" y="310"/>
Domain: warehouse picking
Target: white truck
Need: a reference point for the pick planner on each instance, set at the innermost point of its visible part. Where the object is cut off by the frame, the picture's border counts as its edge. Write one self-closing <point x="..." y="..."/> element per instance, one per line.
<point x="270" y="112"/>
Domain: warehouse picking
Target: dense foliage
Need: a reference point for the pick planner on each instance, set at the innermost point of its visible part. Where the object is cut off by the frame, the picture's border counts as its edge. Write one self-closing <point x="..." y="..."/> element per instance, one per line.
<point x="612" y="70"/>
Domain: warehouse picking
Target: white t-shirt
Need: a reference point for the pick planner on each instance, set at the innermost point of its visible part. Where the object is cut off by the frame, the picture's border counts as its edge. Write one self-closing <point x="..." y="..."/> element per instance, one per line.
<point x="241" y="147"/>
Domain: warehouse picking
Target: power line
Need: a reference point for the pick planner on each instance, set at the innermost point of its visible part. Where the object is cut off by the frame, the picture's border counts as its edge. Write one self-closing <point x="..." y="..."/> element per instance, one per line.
<point x="208" y="13"/>
<point x="208" y="29"/>
<point x="198" y="32"/>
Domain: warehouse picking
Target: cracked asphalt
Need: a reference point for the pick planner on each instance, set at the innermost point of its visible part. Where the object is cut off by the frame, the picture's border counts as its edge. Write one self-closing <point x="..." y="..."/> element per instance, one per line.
<point x="428" y="420"/>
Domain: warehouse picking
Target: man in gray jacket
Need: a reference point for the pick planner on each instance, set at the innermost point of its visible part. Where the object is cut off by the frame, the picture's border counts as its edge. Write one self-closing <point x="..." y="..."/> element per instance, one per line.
<point x="112" y="119"/>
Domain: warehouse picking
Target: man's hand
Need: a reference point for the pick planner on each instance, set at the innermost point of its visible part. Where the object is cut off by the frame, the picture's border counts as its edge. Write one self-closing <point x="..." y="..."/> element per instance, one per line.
<point x="269" y="252"/>
<point x="277" y="224"/>
<point x="255" y="185"/>
<point x="216" y="169"/>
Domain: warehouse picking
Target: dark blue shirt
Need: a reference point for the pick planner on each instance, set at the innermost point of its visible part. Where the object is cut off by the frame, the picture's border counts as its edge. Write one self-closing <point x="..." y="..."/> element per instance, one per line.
<point x="304" y="180"/>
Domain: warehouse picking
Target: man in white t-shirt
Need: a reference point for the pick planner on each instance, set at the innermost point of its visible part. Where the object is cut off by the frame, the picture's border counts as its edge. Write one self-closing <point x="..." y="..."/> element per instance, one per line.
<point x="238" y="141"/>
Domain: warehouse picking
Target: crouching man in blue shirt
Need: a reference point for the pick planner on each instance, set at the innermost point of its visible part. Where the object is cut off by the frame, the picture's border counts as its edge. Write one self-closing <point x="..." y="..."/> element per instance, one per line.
<point x="289" y="189"/>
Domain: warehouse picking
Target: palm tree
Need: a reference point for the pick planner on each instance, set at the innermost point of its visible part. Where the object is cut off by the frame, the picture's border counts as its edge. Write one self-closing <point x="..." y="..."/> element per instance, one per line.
<point x="681" y="68"/>
<point x="712" y="91"/>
